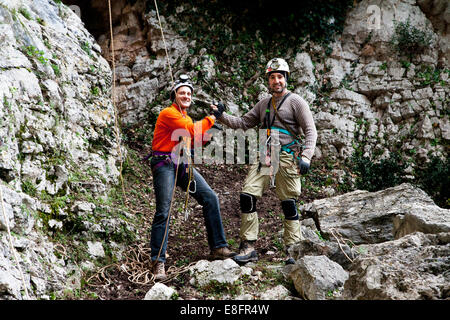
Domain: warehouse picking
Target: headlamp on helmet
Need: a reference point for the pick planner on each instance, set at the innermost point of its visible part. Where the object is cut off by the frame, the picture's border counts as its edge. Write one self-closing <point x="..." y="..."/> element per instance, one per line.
<point x="278" y="65"/>
<point x="183" y="80"/>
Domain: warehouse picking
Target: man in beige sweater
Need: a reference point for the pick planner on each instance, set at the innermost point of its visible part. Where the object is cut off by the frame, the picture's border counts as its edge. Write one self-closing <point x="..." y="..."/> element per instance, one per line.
<point x="284" y="115"/>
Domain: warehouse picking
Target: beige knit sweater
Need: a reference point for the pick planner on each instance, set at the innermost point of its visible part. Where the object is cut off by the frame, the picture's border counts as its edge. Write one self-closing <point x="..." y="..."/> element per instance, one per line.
<point x="295" y="113"/>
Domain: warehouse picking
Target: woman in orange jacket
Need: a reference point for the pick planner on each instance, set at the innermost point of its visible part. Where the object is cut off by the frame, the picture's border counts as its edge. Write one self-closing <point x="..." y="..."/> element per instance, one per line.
<point x="172" y="123"/>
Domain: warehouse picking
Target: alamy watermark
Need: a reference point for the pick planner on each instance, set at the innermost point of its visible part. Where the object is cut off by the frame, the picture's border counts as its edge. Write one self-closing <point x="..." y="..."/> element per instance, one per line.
<point x="229" y="146"/>
<point x="374" y="17"/>
<point x="377" y="15"/>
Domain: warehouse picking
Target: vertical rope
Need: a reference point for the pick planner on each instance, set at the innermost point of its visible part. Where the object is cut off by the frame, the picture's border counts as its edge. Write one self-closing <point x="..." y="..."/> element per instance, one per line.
<point x="165" y="45"/>
<point x="113" y="94"/>
<point x="11" y="244"/>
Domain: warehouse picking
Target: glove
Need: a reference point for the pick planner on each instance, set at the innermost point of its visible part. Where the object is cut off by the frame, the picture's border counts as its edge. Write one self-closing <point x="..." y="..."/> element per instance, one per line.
<point x="303" y="164"/>
<point x="220" y="109"/>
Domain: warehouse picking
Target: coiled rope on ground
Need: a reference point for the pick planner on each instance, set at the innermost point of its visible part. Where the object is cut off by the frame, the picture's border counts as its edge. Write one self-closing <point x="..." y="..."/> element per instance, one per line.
<point x="137" y="267"/>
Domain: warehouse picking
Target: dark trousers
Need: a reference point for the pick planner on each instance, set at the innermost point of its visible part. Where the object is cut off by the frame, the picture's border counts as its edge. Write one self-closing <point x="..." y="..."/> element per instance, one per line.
<point x="163" y="183"/>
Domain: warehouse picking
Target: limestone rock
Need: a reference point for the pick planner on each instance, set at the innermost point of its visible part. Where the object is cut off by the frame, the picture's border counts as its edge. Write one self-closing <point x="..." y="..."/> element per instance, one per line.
<point x="222" y="271"/>
<point x="423" y="217"/>
<point x="277" y="293"/>
<point x="312" y="245"/>
<point x="160" y="292"/>
<point x="305" y="69"/>
<point x="317" y="277"/>
<point x="410" y="268"/>
<point x="368" y="217"/>
<point x="95" y="249"/>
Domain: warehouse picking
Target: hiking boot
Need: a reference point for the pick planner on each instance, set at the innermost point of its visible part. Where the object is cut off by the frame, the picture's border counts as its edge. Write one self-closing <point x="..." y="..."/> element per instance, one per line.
<point x="290" y="260"/>
<point x="246" y="254"/>
<point x="158" y="271"/>
<point x="221" y="254"/>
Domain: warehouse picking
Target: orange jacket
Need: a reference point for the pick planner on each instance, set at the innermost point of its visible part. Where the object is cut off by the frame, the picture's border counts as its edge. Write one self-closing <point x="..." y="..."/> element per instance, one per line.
<point x="171" y="119"/>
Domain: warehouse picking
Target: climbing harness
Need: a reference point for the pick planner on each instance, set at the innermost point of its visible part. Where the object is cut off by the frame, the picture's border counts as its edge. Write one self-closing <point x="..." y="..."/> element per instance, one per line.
<point x="189" y="170"/>
<point x="295" y="144"/>
<point x="272" y="145"/>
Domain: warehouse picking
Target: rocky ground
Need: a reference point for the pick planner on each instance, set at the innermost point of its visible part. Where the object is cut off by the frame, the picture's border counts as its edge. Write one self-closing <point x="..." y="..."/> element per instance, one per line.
<point x="398" y="231"/>
<point x="187" y="239"/>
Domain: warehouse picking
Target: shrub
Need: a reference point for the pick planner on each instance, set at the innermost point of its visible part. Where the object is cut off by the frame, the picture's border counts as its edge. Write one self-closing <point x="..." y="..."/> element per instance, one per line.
<point x="373" y="175"/>
<point x="434" y="178"/>
<point x="409" y="40"/>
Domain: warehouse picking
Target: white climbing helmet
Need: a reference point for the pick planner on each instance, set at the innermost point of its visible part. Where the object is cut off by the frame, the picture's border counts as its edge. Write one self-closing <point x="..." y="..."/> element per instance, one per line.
<point x="277" y="65"/>
<point x="183" y="80"/>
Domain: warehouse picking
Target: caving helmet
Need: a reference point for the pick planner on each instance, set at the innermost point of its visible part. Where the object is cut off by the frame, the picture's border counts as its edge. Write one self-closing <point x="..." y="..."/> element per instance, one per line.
<point x="278" y="65"/>
<point x="183" y="80"/>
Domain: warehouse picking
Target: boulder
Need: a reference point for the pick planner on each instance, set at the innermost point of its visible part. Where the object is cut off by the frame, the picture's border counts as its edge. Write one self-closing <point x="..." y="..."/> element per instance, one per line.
<point x="312" y="245"/>
<point x="410" y="268"/>
<point x="368" y="217"/>
<point x="276" y="293"/>
<point x="222" y="271"/>
<point x="317" y="277"/>
<point x="160" y="292"/>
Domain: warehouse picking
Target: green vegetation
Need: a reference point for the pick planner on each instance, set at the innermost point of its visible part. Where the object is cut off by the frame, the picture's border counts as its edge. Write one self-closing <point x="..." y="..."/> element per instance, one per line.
<point x="29" y="188"/>
<point x="56" y="70"/>
<point x="429" y="75"/>
<point x="242" y="36"/>
<point x="434" y="178"/>
<point x="409" y="40"/>
<point x="25" y="13"/>
<point x="86" y="48"/>
<point x="32" y="51"/>
<point x="373" y="175"/>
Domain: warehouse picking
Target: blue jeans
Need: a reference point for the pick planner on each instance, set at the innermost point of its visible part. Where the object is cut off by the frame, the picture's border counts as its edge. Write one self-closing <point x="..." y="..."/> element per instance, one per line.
<point x="163" y="183"/>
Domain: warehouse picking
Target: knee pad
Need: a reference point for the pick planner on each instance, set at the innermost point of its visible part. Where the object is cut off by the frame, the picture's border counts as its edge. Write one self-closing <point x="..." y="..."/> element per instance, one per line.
<point x="247" y="202"/>
<point x="289" y="207"/>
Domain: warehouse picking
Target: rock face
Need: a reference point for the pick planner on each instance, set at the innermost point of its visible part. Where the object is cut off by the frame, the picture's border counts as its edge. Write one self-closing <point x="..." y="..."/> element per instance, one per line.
<point x="56" y="99"/>
<point x="375" y="96"/>
<point x="393" y="244"/>
<point x="57" y="135"/>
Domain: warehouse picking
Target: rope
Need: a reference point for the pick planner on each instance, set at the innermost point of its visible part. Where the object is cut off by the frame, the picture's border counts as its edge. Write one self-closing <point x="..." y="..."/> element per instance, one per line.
<point x="11" y="245"/>
<point x="135" y="267"/>
<point x="164" y="41"/>
<point x="339" y="243"/>
<point x="171" y="204"/>
<point x="116" y="116"/>
<point x="187" y="151"/>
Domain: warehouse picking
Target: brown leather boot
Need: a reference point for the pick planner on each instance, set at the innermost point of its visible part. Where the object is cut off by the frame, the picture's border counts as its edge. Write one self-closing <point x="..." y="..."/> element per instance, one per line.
<point x="247" y="253"/>
<point x="158" y="271"/>
<point x="221" y="254"/>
